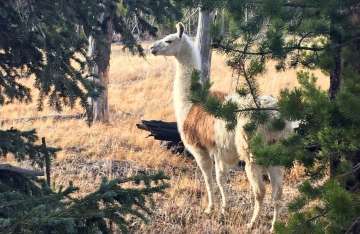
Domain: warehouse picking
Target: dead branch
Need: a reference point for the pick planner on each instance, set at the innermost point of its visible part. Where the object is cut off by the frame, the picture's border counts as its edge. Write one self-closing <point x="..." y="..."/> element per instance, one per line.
<point x="54" y="117"/>
<point x="19" y="170"/>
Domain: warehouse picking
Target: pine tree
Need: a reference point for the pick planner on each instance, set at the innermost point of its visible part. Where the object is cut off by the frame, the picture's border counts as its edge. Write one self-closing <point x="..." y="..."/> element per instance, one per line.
<point x="113" y="17"/>
<point x="47" y="41"/>
<point x="29" y="206"/>
<point x="316" y="35"/>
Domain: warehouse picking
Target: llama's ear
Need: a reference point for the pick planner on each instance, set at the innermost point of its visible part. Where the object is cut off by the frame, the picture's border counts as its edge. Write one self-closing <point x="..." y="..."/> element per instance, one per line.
<point x="180" y="29"/>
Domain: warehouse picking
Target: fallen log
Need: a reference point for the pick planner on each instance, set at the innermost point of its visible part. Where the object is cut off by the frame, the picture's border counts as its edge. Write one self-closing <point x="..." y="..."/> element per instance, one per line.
<point x="167" y="133"/>
<point x="160" y="130"/>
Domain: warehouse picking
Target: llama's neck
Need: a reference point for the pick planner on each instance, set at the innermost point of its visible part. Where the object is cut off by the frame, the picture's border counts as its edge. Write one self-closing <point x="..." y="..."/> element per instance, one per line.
<point x="187" y="60"/>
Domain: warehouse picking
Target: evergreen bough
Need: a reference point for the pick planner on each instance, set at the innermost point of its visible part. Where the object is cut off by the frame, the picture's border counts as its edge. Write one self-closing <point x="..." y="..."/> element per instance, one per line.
<point x="313" y="34"/>
<point x="34" y="208"/>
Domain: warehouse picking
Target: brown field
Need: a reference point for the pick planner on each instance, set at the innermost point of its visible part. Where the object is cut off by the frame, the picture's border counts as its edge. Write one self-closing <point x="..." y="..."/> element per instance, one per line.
<point x="141" y="89"/>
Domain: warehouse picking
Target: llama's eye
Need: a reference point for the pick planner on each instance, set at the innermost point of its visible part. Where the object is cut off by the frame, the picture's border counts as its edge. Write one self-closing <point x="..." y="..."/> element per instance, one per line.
<point x="169" y="42"/>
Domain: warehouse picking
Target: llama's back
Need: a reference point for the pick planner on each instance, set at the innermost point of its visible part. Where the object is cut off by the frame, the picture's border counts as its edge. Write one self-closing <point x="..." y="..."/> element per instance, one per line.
<point x="270" y="135"/>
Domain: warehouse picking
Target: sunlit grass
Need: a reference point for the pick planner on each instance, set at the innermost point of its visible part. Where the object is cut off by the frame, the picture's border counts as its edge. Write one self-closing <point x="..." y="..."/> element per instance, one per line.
<point x="141" y="89"/>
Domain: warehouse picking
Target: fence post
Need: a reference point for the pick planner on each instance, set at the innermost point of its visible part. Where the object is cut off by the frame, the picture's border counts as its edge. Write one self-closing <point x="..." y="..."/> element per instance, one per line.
<point x="47" y="162"/>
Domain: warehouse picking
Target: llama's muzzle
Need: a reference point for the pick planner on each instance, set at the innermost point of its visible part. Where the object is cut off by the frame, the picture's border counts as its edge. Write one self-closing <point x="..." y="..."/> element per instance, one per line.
<point x="153" y="50"/>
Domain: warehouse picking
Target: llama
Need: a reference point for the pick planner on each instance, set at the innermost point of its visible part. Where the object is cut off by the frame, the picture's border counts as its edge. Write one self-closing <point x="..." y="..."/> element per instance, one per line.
<point x="207" y="138"/>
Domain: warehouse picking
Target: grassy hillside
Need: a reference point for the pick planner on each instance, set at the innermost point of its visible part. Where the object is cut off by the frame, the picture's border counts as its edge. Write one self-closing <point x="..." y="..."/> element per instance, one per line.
<point x="141" y="89"/>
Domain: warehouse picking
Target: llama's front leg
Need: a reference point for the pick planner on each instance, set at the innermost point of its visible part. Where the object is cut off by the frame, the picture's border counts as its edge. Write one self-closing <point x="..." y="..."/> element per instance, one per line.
<point x="254" y="174"/>
<point x="276" y="180"/>
<point x="221" y="170"/>
<point x="206" y="166"/>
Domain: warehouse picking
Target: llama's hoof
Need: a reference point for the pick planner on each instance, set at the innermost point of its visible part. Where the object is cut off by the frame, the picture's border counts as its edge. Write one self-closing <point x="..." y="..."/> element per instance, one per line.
<point x="272" y="229"/>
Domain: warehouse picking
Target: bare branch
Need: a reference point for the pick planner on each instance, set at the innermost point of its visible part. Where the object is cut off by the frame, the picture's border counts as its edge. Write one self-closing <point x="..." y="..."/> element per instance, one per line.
<point x="262" y="53"/>
<point x="26" y="172"/>
<point x="257" y="109"/>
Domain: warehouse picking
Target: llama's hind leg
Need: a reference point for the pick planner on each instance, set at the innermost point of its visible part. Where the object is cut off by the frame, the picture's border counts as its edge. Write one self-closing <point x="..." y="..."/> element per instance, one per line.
<point x="221" y="169"/>
<point x="276" y="179"/>
<point x="254" y="174"/>
<point x="206" y="165"/>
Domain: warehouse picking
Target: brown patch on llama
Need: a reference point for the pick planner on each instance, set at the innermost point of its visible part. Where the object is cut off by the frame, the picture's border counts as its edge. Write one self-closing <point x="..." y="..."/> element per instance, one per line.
<point x="198" y="127"/>
<point x="220" y="95"/>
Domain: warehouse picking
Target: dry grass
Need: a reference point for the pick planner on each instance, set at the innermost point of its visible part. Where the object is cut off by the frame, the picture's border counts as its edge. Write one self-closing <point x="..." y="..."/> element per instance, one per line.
<point x="141" y="89"/>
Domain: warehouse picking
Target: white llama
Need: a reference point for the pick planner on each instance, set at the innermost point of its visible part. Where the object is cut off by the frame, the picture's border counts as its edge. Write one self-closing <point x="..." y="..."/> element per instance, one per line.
<point x="207" y="138"/>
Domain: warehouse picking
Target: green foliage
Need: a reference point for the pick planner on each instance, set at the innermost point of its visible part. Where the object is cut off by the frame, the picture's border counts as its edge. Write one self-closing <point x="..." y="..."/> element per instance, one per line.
<point x="42" y="44"/>
<point x="201" y="95"/>
<point x="277" y="124"/>
<point x="40" y="210"/>
<point x="322" y="121"/>
<point x="332" y="210"/>
<point x="199" y="92"/>
<point x="306" y="100"/>
<point x="326" y="129"/>
<point x="47" y="40"/>
<point x="268" y="154"/>
<point x="23" y="146"/>
<point x="314" y="34"/>
<point x="349" y="97"/>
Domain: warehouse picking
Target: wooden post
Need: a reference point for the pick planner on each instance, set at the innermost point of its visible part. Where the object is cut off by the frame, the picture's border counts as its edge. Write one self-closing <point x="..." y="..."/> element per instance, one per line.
<point x="110" y="177"/>
<point x="47" y="162"/>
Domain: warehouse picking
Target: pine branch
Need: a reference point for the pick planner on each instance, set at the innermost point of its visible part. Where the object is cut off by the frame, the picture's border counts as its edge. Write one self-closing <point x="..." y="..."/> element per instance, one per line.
<point x="249" y="84"/>
<point x="295" y="4"/>
<point x="228" y="49"/>
<point x="109" y="202"/>
<point x="257" y="109"/>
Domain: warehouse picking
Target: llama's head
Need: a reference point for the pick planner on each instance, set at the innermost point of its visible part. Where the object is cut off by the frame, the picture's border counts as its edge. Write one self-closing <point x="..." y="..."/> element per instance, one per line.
<point x="169" y="45"/>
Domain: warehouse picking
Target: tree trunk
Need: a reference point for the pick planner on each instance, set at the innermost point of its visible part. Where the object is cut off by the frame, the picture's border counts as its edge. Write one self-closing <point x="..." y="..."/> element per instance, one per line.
<point x="203" y="41"/>
<point x="335" y="82"/>
<point x="335" y="76"/>
<point x="222" y="23"/>
<point x="100" y="50"/>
